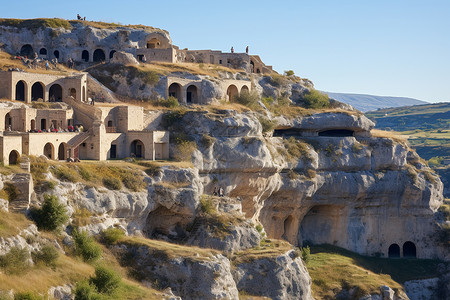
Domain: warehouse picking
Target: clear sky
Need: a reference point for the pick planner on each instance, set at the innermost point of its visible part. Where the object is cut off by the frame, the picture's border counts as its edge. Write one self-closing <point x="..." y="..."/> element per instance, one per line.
<point x="379" y="47"/>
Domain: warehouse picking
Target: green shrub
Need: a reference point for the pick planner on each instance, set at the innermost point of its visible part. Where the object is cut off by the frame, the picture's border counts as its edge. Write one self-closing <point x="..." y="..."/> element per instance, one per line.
<point x="106" y="280"/>
<point x="306" y="253"/>
<point x="48" y="256"/>
<point x="316" y="99"/>
<point x="85" y="246"/>
<point x="15" y="261"/>
<point x="170" y="102"/>
<point x="112" y="235"/>
<point x="27" y="296"/>
<point x="52" y="214"/>
<point x="259" y="228"/>
<point x="296" y="148"/>
<point x="249" y="99"/>
<point x="289" y="73"/>
<point x="86" y="291"/>
<point x="112" y="183"/>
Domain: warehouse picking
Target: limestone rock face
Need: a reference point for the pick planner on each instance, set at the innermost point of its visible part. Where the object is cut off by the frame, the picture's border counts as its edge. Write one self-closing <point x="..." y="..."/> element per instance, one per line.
<point x="189" y="278"/>
<point x="343" y="187"/>
<point x="123" y="58"/>
<point x="422" y="289"/>
<point x="282" y="277"/>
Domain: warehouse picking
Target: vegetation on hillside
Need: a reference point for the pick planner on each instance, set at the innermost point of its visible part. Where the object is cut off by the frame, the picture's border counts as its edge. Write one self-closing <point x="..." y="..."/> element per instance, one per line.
<point x="34" y="24"/>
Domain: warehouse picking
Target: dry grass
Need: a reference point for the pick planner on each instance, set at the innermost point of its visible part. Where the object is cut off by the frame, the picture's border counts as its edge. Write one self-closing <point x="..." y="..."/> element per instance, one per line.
<point x="194" y="68"/>
<point x="171" y="250"/>
<point x="390" y="135"/>
<point x="267" y="248"/>
<point x="12" y="223"/>
<point x="7" y="61"/>
<point x="39" y="279"/>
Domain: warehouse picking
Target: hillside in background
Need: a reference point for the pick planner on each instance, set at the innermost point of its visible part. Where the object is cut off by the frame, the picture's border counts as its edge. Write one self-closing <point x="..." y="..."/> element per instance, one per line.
<point x="370" y="102"/>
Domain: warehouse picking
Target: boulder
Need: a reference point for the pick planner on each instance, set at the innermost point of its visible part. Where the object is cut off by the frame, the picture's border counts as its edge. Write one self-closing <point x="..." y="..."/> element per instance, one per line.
<point x="124" y="58"/>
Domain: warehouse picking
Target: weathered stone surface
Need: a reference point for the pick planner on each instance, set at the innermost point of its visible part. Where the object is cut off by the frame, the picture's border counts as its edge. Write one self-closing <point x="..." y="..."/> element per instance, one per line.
<point x="62" y="292"/>
<point x="282" y="277"/>
<point x="124" y="58"/>
<point x="422" y="289"/>
<point x="189" y="278"/>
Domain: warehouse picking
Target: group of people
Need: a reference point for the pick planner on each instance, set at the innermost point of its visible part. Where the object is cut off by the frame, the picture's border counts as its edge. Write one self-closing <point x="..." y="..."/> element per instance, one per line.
<point x="246" y="49"/>
<point x="219" y="191"/>
<point x="77" y="128"/>
<point x="80" y="18"/>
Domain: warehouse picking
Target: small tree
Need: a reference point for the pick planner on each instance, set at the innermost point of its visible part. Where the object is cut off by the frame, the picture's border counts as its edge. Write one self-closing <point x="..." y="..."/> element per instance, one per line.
<point x="316" y="99"/>
<point x="106" y="280"/>
<point x="85" y="246"/>
<point x="52" y="214"/>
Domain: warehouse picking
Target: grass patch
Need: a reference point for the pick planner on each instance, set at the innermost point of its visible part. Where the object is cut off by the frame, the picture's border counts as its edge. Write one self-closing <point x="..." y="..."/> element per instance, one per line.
<point x="85" y="246"/>
<point x="267" y="248"/>
<point x="34" y="24"/>
<point x="15" y="261"/>
<point x="12" y="223"/>
<point x="332" y="268"/>
<point x="389" y="135"/>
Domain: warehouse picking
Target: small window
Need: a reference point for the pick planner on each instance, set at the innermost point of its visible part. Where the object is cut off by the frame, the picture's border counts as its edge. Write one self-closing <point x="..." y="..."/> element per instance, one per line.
<point x="83" y="144"/>
<point x="110" y="123"/>
<point x="220" y="61"/>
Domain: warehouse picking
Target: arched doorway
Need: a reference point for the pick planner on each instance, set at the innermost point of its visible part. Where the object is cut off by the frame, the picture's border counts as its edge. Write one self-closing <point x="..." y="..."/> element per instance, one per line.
<point x="37" y="91"/>
<point x="290" y="230"/>
<point x="99" y="55"/>
<point x="232" y="92"/>
<point x="62" y="151"/>
<point x="49" y="150"/>
<point x="27" y="50"/>
<point x="13" y="157"/>
<point x="56" y="54"/>
<point x="137" y="149"/>
<point x="8" y="121"/>
<point x="111" y="54"/>
<point x="191" y="94"/>
<point x="55" y="93"/>
<point x="20" y="90"/>
<point x="245" y="89"/>
<point x="33" y="125"/>
<point x="73" y="93"/>
<point x="409" y="250"/>
<point x="85" y="55"/>
<point x="153" y="43"/>
<point x="175" y="91"/>
<point x="394" y="251"/>
<point x="43" y="51"/>
<point x="252" y="66"/>
<point x="258" y="71"/>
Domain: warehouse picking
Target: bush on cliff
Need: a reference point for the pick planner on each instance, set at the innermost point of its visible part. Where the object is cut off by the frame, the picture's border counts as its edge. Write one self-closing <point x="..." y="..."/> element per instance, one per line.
<point x="85" y="246"/>
<point x="52" y="215"/>
<point x="15" y="261"/>
<point x="316" y="99"/>
<point x="249" y="99"/>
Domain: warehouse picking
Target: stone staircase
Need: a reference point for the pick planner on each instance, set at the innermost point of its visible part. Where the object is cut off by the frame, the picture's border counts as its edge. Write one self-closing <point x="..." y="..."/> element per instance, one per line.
<point x="78" y="139"/>
<point x="24" y="184"/>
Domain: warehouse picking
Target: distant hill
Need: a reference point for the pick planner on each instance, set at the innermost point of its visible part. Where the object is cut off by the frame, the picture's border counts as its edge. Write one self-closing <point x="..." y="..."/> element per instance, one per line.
<point x="424" y="117"/>
<point x="369" y="102"/>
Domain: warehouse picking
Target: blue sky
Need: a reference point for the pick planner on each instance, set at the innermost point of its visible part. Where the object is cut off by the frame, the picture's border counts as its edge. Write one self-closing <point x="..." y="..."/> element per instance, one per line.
<point x="391" y="48"/>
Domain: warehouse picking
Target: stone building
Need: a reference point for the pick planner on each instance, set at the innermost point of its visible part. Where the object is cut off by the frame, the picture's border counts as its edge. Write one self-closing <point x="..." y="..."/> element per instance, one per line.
<point x="89" y="44"/>
<point x="40" y="127"/>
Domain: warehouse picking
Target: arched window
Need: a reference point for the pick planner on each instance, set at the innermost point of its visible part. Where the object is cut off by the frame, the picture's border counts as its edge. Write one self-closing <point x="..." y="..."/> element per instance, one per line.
<point x="56" y="54"/>
<point x="43" y="51"/>
<point x="99" y="55"/>
<point x="73" y="93"/>
<point x="111" y="54"/>
<point x="27" y="50"/>
<point x="37" y="91"/>
<point x="8" y="121"/>
<point x="20" y="90"/>
<point x="137" y="149"/>
<point x="49" y="150"/>
<point x="244" y="89"/>
<point x="175" y="91"/>
<point x="409" y="250"/>
<point x="394" y="251"/>
<point x="13" y="157"/>
<point x="191" y="94"/>
<point x="85" y="55"/>
<point x="153" y="43"/>
<point x="232" y="92"/>
<point x="55" y="93"/>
